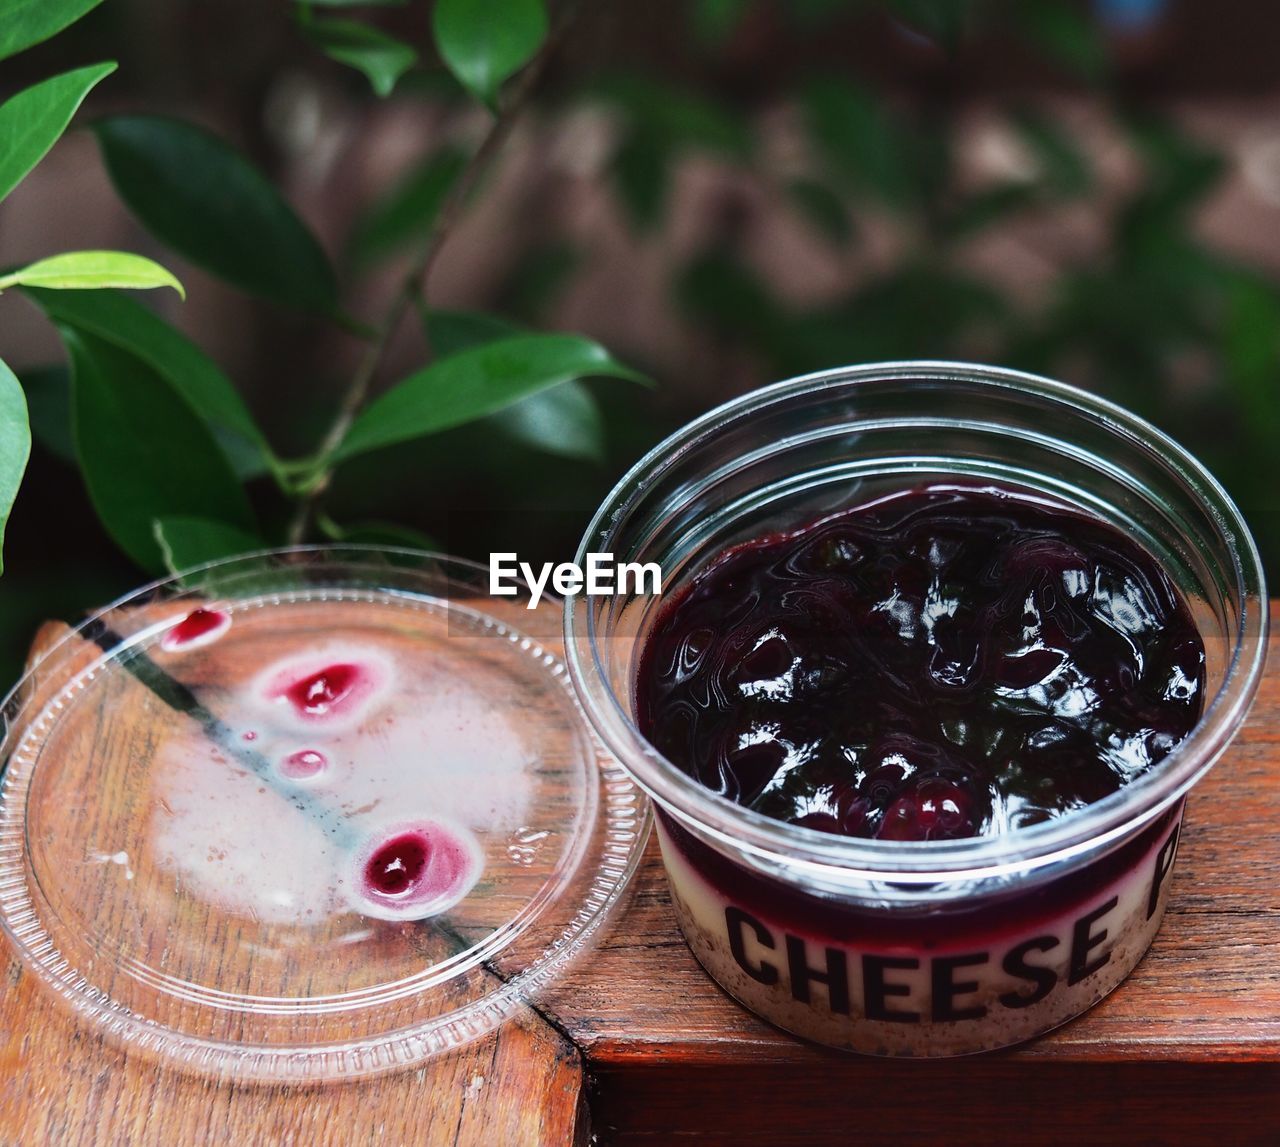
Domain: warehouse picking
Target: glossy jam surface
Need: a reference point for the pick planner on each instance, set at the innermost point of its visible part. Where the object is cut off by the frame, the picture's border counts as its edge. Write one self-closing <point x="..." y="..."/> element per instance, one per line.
<point x="319" y="692"/>
<point x="946" y="662"/>
<point x="414" y="871"/>
<point x="313" y="691"/>
<point x="396" y="866"/>
<point x="304" y="764"/>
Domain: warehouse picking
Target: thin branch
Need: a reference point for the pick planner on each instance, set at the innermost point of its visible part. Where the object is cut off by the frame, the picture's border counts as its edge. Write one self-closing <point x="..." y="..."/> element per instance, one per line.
<point x="413" y="285"/>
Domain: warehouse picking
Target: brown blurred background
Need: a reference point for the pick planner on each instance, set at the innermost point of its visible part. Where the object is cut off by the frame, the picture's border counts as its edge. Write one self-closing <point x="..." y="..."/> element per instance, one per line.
<point x="724" y="192"/>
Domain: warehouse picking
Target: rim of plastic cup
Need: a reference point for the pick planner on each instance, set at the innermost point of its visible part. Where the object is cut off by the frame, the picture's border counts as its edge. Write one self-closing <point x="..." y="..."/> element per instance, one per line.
<point x="834" y="859"/>
<point x="624" y="818"/>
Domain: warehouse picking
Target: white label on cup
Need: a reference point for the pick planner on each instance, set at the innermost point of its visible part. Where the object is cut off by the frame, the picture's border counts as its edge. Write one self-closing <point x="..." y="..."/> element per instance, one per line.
<point x="948" y="1000"/>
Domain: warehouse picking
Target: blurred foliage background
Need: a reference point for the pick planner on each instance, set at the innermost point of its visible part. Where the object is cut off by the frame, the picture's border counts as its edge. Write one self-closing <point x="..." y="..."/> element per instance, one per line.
<point x="723" y="192"/>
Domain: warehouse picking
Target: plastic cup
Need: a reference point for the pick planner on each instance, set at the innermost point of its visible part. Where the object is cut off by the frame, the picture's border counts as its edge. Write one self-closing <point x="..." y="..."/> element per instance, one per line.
<point x="939" y="947"/>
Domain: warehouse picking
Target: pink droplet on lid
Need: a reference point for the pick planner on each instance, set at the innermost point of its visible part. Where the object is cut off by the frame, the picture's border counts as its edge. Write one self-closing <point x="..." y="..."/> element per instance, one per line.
<point x="320" y="692"/>
<point x="303" y="764"/>
<point x="200" y="627"/>
<point x="397" y="866"/>
<point x="330" y="686"/>
<point x="413" y="871"/>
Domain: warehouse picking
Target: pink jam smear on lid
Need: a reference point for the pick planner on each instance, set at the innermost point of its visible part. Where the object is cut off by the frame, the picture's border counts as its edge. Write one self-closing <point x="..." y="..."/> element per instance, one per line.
<point x="418" y="870"/>
<point x="303" y="764"/>
<point x="199" y="627"/>
<point x="324" y="690"/>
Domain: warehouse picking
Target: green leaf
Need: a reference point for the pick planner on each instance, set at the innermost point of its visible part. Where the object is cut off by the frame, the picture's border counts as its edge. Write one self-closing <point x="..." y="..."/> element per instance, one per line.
<point x="48" y="391"/>
<point x="381" y="57"/>
<point x="715" y="20"/>
<point x="1152" y="230"/>
<point x="1251" y="350"/>
<point x="206" y="201"/>
<point x="731" y="298"/>
<point x="862" y="140"/>
<point x="1063" y="166"/>
<point x="353" y="3"/>
<point x="641" y="174"/>
<point x="15" y="444"/>
<point x="679" y="117"/>
<point x="126" y="324"/>
<point x="664" y="120"/>
<point x="144" y="452"/>
<point x="823" y="208"/>
<point x="485" y="42"/>
<point x="450" y="332"/>
<point x="1179" y="168"/>
<point x="32" y="121"/>
<point x="539" y="278"/>
<point x="982" y="209"/>
<point x="375" y="533"/>
<point x="564" y="420"/>
<point x="1065" y="34"/>
<point x="185" y="542"/>
<point x="410" y="208"/>
<point x="475" y="383"/>
<point x="27" y="22"/>
<point x="92" y="270"/>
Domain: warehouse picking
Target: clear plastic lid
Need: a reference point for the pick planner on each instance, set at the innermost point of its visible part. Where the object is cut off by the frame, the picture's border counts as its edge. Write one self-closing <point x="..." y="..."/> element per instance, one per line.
<point x="307" y="815"/>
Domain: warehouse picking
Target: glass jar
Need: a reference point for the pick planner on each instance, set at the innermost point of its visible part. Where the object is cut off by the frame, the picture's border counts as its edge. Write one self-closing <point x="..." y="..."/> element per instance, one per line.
<point x="924" y="948"/>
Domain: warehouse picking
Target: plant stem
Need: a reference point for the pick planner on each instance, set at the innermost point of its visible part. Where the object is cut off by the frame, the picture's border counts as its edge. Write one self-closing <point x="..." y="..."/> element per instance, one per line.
<point x="413" y="285"/>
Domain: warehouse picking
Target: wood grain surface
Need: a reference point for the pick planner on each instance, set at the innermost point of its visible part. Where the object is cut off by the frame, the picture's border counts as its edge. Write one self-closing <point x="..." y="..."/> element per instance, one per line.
<point x="61" y="1083"/>
<point x="636" y="1045"/>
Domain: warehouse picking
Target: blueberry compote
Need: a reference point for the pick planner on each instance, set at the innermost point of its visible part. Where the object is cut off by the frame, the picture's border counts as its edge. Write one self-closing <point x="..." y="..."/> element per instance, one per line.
<point x="949" y="661"/>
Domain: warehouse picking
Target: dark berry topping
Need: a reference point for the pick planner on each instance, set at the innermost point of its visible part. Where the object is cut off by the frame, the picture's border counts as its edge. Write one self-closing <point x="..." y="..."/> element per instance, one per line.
<point x="396" y="867"/>
<point x="946" y="662"/>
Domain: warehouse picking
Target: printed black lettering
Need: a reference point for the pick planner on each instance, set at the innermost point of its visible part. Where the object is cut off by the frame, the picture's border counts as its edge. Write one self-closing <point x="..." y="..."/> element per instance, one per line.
<point x="735" y="920"/>
<point x="876" y="992"/>
<point x="1015" y="964"/>
<point x="946" y="987"/>
<point x="836" y="977"/>
<point x="1164" y="863"/>
<point x="1084" y="940"/>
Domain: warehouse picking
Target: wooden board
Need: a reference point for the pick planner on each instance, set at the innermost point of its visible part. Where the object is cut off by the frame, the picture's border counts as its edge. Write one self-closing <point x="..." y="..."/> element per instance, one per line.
<point x="60" y="1083"/>
<point x="1186" y="1051"/>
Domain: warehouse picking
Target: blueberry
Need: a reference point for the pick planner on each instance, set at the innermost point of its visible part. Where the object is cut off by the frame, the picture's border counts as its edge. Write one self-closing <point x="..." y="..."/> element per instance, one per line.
<point x="933" y="809"/>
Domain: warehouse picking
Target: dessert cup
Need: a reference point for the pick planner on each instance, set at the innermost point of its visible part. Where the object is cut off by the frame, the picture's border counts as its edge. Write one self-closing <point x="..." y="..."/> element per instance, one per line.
<point x="925" y="948"/>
